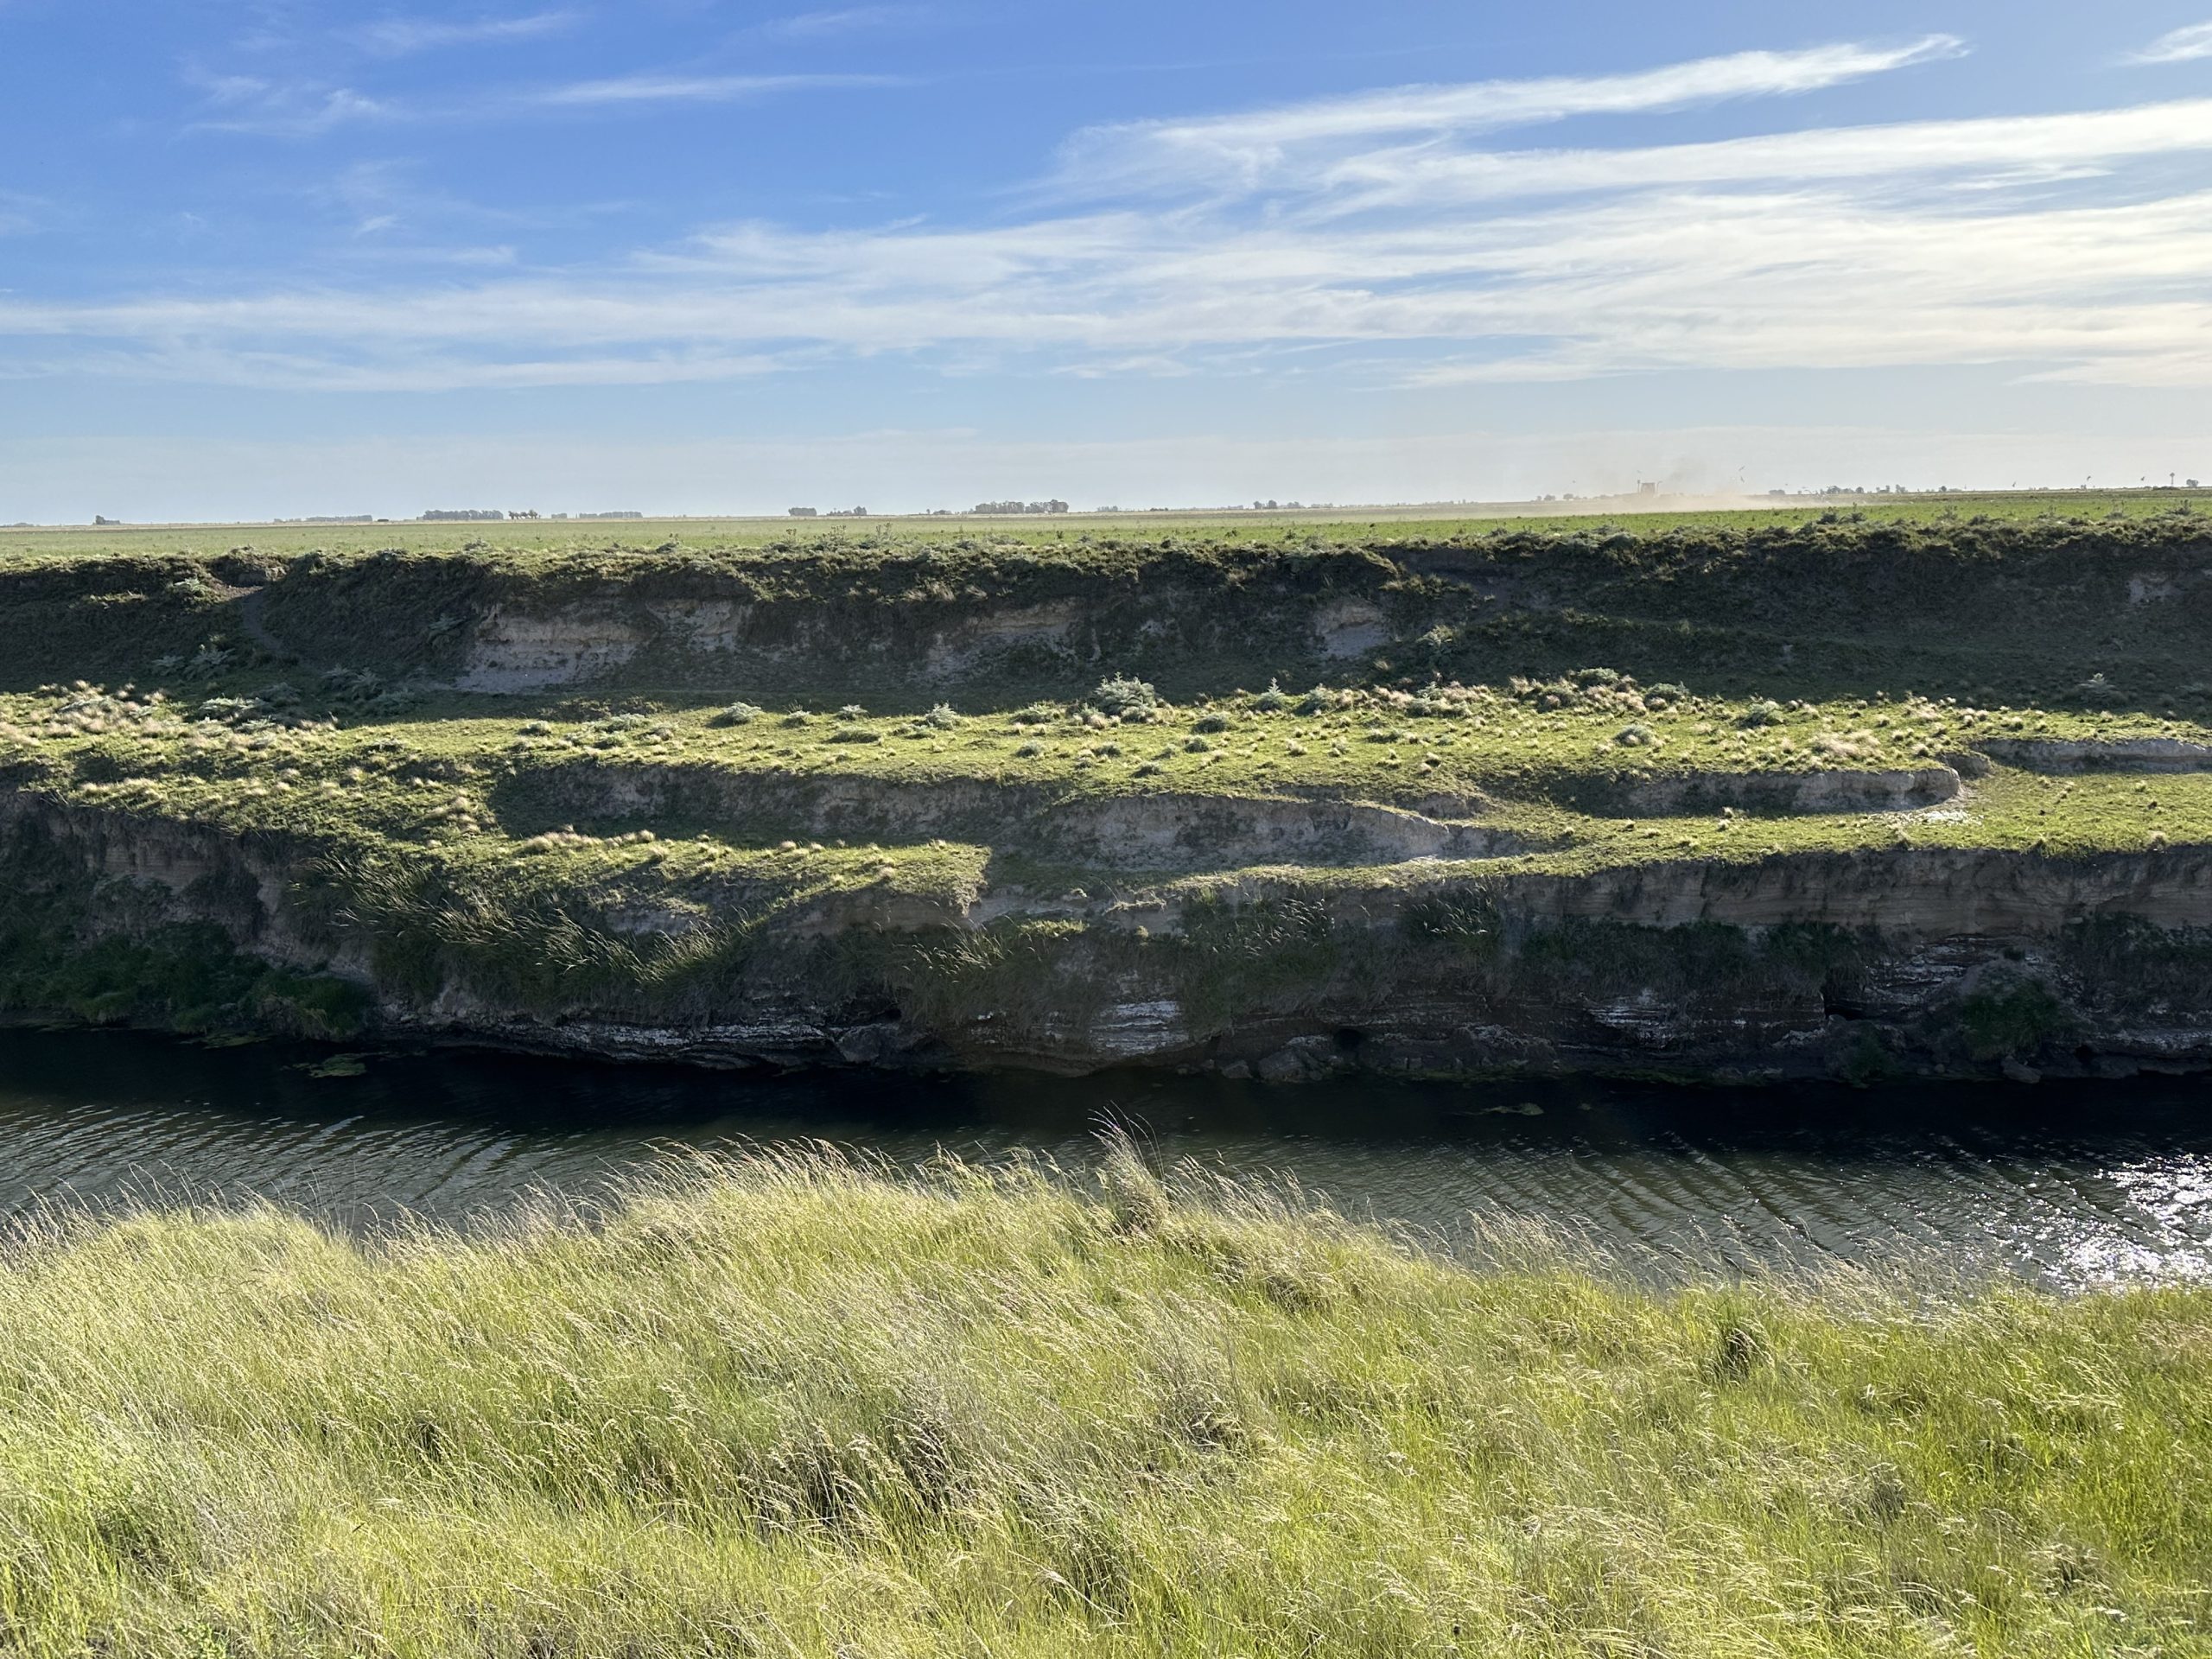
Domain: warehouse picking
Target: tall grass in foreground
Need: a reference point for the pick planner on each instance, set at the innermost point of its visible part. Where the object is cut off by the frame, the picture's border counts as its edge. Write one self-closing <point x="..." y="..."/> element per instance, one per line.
<point x="794" y="1407"/>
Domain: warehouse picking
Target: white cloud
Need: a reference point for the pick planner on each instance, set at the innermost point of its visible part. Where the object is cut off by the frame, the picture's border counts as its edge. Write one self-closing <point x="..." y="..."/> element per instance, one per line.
<point x="1646" y="282"/>
<point x="396" y="37"/>
<point x="292" y="111"/>
<point x="2182" y="45"/>
<point x="308" y="110"/>
<point x="2007" y="150"/>
<point x="1439" y="262"/>
<point x="688" y="89"/>
<point x="851" y="20"/>
<point x="1245" y="149"/>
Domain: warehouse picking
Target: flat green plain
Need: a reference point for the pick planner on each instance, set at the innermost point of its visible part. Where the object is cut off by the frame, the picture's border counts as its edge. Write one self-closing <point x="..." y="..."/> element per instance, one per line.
<point x="1644" y="515"/>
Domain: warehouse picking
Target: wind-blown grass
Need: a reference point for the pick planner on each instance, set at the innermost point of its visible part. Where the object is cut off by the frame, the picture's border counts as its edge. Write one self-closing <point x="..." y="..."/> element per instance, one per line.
<point x="797" y="1407"/>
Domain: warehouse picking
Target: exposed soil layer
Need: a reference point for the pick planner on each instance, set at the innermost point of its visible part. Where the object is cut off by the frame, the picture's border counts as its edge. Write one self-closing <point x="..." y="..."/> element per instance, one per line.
<point x="2143" y="755"/>
<point x="1930" y="962"/>
<point x="1160" y="830"/>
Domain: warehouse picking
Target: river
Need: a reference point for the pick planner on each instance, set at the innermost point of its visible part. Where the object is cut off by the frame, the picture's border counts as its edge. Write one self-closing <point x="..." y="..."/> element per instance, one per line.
<point x="2073" y="1186"/>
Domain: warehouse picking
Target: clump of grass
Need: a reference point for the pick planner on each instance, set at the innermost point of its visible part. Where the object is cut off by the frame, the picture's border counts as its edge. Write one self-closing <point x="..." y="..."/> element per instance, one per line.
<point x="943" y="717"/>
<point x="736" y="713"/>
<point x="797" y="1406"/>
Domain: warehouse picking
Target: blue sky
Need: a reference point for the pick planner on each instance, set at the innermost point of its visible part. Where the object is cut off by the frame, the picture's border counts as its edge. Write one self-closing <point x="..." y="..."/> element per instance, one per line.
<point x="288" y="257"/>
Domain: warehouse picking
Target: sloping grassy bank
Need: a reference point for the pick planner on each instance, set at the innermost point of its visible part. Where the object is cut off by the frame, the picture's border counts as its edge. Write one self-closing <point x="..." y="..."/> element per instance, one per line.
<point x="791" y="1407"/>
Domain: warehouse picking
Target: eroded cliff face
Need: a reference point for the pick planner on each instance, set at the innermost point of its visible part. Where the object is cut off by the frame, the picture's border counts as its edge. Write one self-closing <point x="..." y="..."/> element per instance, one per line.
<point x="1909" y="961"/>
<point x="1442" y="858"/>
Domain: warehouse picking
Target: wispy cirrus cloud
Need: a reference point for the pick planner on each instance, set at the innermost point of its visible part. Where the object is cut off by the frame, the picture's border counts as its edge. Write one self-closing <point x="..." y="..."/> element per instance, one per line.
<point x="307" y="110"/>
<point x="686" y="89"/>
<point x="2182" y="45"/>
<point x="399" y="37"/>
<point x="2004" y="148"/>
<point x="1245" y="149"/>
<point x="848" y="20"/>
<point x="245" y="104"/>
<point x="1383" y="238"/>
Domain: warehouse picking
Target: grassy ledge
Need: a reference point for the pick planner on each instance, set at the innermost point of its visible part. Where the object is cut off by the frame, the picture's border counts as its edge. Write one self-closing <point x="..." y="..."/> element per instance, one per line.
<point x="797" y="1407"/>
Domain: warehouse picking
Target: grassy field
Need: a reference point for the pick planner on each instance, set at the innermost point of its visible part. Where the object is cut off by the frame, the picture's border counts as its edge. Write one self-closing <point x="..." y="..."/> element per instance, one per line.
<point x="797" y="1408"/>
<point x="1646" y="516"/>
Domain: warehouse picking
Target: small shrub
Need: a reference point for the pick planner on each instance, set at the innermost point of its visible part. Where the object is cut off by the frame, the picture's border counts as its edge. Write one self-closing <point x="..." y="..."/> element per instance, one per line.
<point x="209" y="661"/>
<point x="737" y="714"/>
<point x="1029" y="752"/>
<point x="855" y="734"/>
<point x="1665" y="697"/>
<point x="1214" y="723"/>
<point x="852" y="711"/>
<point x="1125" y="698"/>
<point x="1272" y="701"/>
<point x="1636" y="737"/>
<point x="944" y="717"/>
<point x="1196" y="746"/>
<point x="351" y="685"/>
<point x="1762" y="713"/>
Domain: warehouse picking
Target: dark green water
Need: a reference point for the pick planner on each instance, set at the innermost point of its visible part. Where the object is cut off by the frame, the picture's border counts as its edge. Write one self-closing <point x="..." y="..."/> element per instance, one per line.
<point x="2072" y="1185"/>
